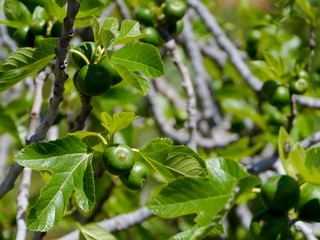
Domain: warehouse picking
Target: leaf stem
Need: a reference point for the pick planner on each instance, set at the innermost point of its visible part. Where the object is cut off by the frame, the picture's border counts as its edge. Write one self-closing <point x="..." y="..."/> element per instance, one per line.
<point x="80" y="54"/>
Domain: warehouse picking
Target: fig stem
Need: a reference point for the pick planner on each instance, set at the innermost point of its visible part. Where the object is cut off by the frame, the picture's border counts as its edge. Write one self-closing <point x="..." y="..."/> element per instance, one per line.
<point x="80" y="54"/>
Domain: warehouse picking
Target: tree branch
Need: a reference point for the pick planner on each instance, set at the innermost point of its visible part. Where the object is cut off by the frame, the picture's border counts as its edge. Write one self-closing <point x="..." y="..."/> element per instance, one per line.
<point x="118" y="223"/>
<point x="188" y="86"/>
<point x="23" y="194"/>
<point x="86" y="108"/>
<point x="224" y="42"/>
<point x="201" y="77"/>
<point x="58" y="91"/>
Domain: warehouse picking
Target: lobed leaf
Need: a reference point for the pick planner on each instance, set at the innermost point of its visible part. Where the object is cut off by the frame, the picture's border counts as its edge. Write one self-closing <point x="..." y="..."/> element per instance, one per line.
<point x="94" y="232"/>
<point x="172" y="161"/>
<point x="118" y="121"/>
<point x="70" y="164"/>
<point x="31" y="58"/>
<point x="15" y="10"/>
<point x="139" y="57"/>
<point x="209" y="197"/>
<point x="189" y="195"/>
<point x="129" y="31"/>
<point x="133" y="79"/>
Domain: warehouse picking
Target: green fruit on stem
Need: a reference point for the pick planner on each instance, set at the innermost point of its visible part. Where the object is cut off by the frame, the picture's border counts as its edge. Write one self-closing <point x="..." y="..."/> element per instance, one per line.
<point x="174" y="10"/>
<point x="93" y="80"/>
<point x="145" y="16"/>
<point x="268" y="225"/>
<point x="268" y="88"/>
<point x="24" y="37"/>
<point x="86" y="48"/>
<point x="135" y="179"/>
<point x="277" y="95"/>
<point x="113" y="74"/>
<point x="303" y="74"/>
<point x="299" y="86"/>
<point x="309" y="203"/>
<point x="153" y="36"/>
<point x="39" y="27"/>
<point x="118" y="159"/>
<point x="176" y="28"/>
<point x="75" y="79"/>
<point x="281" y="97"/>
<point x="56" y="29"/>
<point x="253" y="39"/>
<point x="280" y="193"/>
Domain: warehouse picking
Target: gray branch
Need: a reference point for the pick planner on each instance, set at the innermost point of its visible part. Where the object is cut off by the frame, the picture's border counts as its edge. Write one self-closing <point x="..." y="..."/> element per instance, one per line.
<point x="118" y="223"/>
<point x="307" y="101"/>
<point x="201" y="77"/>
<point x="23" y="194"/>
<point x="58" y="91"/>
<point x="189" y="89"/>
<point x="225" y="44"/>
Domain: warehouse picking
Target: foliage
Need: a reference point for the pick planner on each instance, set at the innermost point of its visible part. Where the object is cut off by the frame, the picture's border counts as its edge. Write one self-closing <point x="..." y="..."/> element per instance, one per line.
<point x="200" y="98"/>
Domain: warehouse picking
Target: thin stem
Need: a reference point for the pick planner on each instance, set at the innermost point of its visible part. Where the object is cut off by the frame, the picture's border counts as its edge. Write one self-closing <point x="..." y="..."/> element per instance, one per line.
<point x="188" y="87"/>
<point x="224" y="42"/>
<point x="80" y="54"/>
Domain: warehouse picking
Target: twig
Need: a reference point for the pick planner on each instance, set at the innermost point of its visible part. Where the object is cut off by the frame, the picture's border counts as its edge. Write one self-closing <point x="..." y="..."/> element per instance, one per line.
<point x="118" y="223"/>
<point x="23" y="194"/>
<point x="180" y="136"/>
<point x="188" y="86"/>
<point x="305" y="230"/>
<point x="85" y="112"/>
<point x="58" y="91"/>
<point x="201" y="78"/>
<point x="311" y="140"/>
<point x="167" y="90"/>
<point x="307" y="101"/>
<point x="293" y="113"/>
<point x="224" y="42"/>
<point x="213" y="52"/>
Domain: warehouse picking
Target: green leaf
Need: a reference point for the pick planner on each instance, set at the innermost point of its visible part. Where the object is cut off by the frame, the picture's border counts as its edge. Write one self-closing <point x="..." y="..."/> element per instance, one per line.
<point x="141" y="57"/>
<point x="133" y="79"/>
<point x="232" y="172"/>
<point x="309" y="11"/>
<point x="70" y="164"/>
<point x="15" y="10"/>
<point x="129" y="31"/>
<point x="31" y="58"/>
<point x="61" y="3"/>
<point x="96" y="28"/>
<point x="93" y="231"/>
<point x="118" y="121"/>
<point x="87" y="10"/>
<point x="189" y="195"/>
<point x="92" y="139"/>
<point x="53" y="9"/>
<point x="297" y="162"/>
<point x="105" y="33"/>
<point x="29" y="61"/>
<point x="172" y="161"/>
<point x="199" y="232"/>
<point x="286" y="150"/>
<point x="209" y="197"/>
<point x="183" y="161"/>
